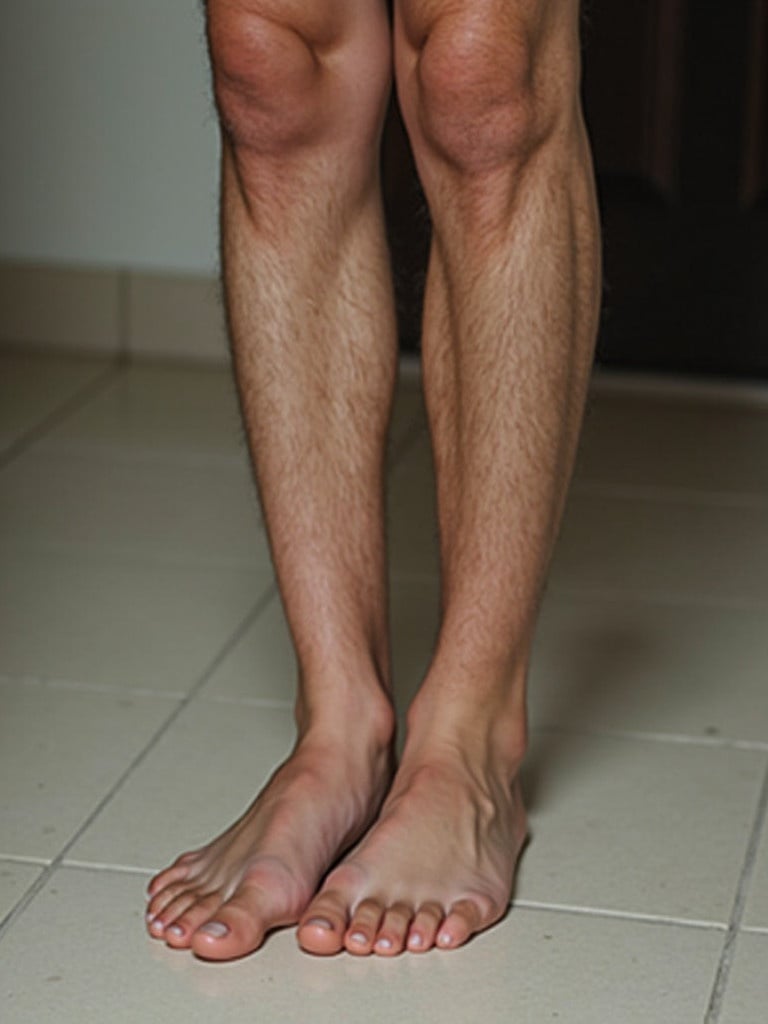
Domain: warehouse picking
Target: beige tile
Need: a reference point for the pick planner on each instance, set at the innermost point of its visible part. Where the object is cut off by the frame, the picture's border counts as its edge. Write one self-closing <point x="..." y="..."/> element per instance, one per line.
<point x="15" y="880"/>
<point x="159" y="409"/>
<point x="117" y="622"/>
<point x="60" y="753"/>
<point x="746" y="997"/>
<point x="262" y="666"/>
<point x="408" y="413"/>
<point x="411" y="517"/>
<point x="176" y="315"/>
<point x="673" y="443"/>
<point x="64" y="307"/>
<point x="414" y="620"/>
<point x="197" y="780"/>
<point x="203" y="512"/>
<point x="756" y="912"/>
<point x="608" y="663"/>
<point x="534" y="967"/>
<point x="630" y="826"/>
<point x="694" y="551"/>
<point x="181" y="408"/>
<point x="32" y="387"/>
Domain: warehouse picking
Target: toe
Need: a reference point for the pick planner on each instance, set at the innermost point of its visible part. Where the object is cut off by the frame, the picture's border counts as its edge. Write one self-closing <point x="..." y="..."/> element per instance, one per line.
<point x="364" y="927"/>
<point x="177" y="872"/>
<point x="238" y="927"/>
<point x="179" y="933"/>
<point x="423" y="931"/>
<point x="322" y="927"/>
<point x="465" y="918"/>
<point x="391" y="936"/>
<point x="166" y="897"/>
<point x="159" y="922"/>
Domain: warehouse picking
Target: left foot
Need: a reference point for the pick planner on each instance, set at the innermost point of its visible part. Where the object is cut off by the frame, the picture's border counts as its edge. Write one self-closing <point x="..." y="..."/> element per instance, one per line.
<point x="438" y="865"/>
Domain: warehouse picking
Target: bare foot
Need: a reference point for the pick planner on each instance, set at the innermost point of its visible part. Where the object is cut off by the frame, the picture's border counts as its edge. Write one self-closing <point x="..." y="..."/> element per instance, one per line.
<point x="221" y="900"/>
<point x="438" y="865"/>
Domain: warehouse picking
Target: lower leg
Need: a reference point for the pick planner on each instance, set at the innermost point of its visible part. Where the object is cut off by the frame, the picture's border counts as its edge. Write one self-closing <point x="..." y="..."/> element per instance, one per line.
<point x="311" y="321"/>
<point x="509" y="329"/>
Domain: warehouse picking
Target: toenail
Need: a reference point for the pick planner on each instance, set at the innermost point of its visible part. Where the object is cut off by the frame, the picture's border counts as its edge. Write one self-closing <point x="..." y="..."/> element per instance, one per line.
<point x="319" y="922"/>
<point x="156" y="926"/>
<point x="384" y="944"/>
<point x="358" y="938"/>
<point x="415" y="940"/>
<point x="444" y="940"/>
<point x="215" y="928"/>
<point x="175" y="930"/>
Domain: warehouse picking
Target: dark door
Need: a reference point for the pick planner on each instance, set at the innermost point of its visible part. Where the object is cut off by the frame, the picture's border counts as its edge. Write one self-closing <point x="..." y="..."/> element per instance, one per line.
<point x="676" y="95"/>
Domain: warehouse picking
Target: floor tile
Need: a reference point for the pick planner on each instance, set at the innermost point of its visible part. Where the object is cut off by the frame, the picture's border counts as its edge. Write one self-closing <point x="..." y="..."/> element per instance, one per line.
<point x="200" y="777"/>
<point x="32" y="387"/>
<point x="158" y="409"/>
<point x="756" y="912"/>
<point x="674" y="443"/>
<point x="60" y="752"/>
<point x="628" y="825"/>
<point x="117" y="622"/>
<point x="627" y="665"/>
<point x="262" y="666"/>
<point x="408" y="413"/>
<point x="199" y="513"/>
<point x="684" y="548"/>
<point x="414" y="616"/>
<point x="607" y="663"/>
<point x="746" y="997"/>
<point x="15" y="880"/>
<point x="411" y="516"/>
<point x="535" y="966"/>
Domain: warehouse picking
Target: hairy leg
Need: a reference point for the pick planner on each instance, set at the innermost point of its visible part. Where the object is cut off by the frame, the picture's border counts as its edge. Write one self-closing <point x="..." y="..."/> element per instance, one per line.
<point x="489" y="89"/>
<point x="301" y="91"/>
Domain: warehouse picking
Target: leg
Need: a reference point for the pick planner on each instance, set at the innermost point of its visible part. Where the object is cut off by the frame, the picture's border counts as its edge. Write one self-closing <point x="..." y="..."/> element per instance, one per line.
<point x="489" y="90"/>
<point x="301" y="91"/>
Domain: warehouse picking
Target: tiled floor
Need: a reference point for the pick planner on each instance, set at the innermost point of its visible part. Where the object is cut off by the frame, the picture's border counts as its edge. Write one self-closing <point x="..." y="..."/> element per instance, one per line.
<point x="146" y="679"/>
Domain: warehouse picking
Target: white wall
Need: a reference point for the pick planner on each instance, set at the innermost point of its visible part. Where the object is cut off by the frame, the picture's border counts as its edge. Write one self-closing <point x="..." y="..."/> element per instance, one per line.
<point x="108" y="139"/>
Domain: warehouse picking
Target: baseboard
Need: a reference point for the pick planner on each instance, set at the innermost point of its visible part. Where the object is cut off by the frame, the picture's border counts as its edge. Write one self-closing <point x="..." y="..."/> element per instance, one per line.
<point x="112" y="311"/>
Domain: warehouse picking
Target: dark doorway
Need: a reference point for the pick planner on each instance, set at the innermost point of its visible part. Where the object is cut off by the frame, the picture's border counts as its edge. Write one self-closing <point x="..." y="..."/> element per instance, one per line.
<point x="676" y="95"/>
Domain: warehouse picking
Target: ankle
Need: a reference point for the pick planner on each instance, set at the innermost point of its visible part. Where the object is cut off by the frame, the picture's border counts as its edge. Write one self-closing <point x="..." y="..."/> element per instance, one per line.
<point x="492" y="730"/>
<point x="359" y="714"/>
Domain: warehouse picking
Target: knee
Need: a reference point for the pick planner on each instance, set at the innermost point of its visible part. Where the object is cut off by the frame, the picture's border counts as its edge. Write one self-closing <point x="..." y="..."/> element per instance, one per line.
<point x="271" y="86"/>
<point x="485" y="97"/>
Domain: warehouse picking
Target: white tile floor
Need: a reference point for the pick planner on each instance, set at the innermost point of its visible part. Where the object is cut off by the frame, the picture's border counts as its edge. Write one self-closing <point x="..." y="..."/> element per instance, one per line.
<point x="146" y="679"/>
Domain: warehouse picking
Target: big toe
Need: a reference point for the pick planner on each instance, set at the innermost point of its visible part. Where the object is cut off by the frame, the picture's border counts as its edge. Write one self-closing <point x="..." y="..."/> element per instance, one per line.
<point x="322" y="927"/>
<point x="239" y="926"/>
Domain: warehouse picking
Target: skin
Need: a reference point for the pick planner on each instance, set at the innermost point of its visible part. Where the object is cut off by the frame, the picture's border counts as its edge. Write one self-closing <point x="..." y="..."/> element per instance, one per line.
<point x="364" y="857"/>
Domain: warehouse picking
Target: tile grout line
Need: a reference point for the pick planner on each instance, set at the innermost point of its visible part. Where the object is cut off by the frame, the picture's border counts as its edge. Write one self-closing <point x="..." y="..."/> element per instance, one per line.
<point x="63" y="411"/>
<point x="618" y="915"/>
<point x="674" y="739"/>
<point x="22" y="904"/>
<point x="720" y="985"/>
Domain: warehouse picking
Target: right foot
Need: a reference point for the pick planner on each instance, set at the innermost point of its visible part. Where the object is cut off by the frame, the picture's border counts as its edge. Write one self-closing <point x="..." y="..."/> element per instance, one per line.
<point x="221" y="900"/>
